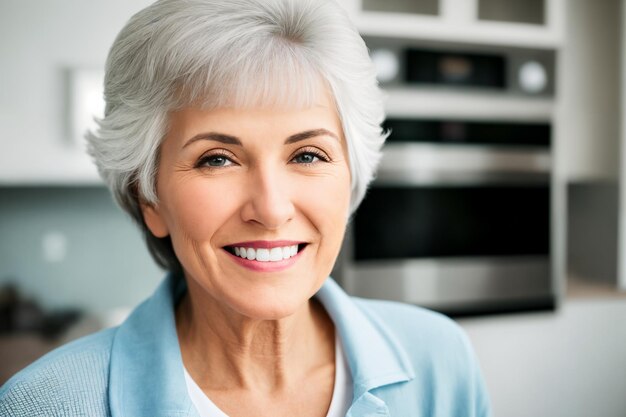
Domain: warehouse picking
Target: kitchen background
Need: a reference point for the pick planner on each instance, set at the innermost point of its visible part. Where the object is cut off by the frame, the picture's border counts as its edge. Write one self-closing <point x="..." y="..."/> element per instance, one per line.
<point x="71" y="262"/>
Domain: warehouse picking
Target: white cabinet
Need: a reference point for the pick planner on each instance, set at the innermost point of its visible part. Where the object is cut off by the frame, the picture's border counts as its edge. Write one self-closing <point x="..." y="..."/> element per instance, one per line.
<point x="592" y="135"/>
<point x="474" y="25"/>
<point x="590" y="81"/>
<point x="621" y="248"/>
<point x="486" y="22"/>
<point x="40" y="42"/>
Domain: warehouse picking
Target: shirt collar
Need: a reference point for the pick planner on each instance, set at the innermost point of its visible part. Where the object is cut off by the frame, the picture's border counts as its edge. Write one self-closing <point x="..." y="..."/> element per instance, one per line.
<point x="375" y="357"/>
<point x="146" y="374"/>
<point x="146" y="371"/>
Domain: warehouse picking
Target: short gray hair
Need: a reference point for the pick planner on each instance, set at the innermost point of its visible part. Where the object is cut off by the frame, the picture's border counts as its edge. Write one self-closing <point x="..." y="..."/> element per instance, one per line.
<point x="235" y="53"/>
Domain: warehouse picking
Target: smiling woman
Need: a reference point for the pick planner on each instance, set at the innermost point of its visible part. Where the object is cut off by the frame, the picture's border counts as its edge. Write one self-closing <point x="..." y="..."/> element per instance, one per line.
<point x="241" y="136"/>
<point x="254" y="180"/>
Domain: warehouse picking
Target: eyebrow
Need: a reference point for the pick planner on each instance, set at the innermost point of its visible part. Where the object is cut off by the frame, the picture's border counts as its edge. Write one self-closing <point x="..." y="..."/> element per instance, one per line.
<point x="234" y="140"/>
<point x="307" y="134"/>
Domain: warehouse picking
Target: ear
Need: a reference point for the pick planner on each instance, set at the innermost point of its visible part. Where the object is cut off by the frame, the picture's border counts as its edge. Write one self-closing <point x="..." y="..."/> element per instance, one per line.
<point x="154" y="220"/>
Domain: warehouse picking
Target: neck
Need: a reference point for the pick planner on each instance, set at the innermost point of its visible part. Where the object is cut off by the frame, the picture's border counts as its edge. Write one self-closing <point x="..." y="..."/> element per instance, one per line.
<point x="222" y="349"/>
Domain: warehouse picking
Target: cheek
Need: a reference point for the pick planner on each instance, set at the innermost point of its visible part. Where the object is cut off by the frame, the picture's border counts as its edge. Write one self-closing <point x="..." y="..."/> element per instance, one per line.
<point x="327" y="203"/>
<point x="198" y="209"/>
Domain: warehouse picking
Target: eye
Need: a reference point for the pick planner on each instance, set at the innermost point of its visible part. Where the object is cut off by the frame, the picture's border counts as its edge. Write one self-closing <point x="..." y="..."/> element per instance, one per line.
<point x="214" y="161"/>
<point x="306" y="158"/>
<point x="309" y="156"/>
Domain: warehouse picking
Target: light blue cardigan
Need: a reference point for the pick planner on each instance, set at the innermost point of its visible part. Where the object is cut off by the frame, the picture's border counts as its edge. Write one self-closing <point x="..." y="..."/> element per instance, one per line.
<point x="405" y="361"/>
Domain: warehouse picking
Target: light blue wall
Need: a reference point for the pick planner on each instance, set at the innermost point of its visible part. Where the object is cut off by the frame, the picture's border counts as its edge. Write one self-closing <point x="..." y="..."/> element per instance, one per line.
<point x="106" y="263"/>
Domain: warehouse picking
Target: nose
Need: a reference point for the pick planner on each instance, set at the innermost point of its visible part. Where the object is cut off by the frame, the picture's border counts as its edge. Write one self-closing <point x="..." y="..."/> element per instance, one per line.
<point x="270" y="200"/>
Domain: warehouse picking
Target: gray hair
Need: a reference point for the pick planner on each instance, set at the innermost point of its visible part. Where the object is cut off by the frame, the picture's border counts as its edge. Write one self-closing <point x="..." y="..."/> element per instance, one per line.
<point x="236" y="53"/>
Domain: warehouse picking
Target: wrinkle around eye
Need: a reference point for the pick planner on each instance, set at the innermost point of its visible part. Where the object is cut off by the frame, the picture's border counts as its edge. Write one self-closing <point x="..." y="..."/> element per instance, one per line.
<point x="183" y="167"/>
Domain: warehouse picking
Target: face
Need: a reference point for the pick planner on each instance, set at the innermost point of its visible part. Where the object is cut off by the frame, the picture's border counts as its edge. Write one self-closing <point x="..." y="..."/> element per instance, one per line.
<point x="255" y="202"/>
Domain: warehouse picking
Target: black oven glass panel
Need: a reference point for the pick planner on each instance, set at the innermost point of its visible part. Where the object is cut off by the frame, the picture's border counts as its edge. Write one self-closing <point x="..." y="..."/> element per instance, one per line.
<point x="468" y="132"/>
<point x="450" y="221"/>
<point x="456" y="68"/>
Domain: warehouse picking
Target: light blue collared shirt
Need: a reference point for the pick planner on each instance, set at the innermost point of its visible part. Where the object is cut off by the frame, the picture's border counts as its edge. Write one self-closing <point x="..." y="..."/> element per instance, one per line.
<point x="405" y="361"/>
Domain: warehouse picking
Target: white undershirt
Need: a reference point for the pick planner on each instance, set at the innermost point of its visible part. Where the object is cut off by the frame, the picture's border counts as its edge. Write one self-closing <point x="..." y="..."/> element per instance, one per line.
<point x="342" y="391"/>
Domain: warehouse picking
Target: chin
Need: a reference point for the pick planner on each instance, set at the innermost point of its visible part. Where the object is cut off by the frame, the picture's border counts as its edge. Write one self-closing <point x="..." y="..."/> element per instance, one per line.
<point x="270" y="310"/>
<point x="269" y="304"/>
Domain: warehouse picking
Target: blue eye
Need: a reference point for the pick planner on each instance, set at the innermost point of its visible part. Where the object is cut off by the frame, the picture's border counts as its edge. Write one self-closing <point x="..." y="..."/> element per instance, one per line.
<point x="215" y="161"/>
<point x="306" y="158"/>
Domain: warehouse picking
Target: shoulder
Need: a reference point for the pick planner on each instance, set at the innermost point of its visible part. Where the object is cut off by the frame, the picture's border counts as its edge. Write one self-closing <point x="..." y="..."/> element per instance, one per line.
<point x="69" y="380"/>
<point x="411" y="323"/>
<point x="429" y="340"/>
<point x="447" y="373"/>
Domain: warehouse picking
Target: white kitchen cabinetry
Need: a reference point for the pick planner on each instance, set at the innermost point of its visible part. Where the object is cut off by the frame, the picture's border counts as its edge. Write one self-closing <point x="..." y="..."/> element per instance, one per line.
<point x="590" y="90"/>
<point x="490" y="25"/>
<point x="592" y="114"/>
<point x="621" y="253"/>
<point x="463" y="21"/>
<point x="40" y="43"/>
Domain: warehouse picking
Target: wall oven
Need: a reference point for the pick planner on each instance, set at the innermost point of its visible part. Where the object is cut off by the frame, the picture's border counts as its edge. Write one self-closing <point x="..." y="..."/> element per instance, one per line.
<point x="458" y="219"/>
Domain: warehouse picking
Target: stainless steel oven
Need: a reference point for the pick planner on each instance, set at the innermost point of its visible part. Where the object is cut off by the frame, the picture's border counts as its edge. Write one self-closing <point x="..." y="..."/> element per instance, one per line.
<point x="458" y="219"/>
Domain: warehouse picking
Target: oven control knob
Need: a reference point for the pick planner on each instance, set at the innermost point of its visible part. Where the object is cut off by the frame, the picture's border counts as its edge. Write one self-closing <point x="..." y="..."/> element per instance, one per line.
<point x="386" y="63"/>
<point x="532" y="77"/>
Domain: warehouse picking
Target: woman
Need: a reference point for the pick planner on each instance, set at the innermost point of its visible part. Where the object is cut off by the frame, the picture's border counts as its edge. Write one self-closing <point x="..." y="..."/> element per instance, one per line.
<point x="241" y="135"/>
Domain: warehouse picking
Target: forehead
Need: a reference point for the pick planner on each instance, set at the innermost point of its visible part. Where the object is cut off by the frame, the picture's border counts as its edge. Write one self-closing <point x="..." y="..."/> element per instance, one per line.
<point x="259" y="123"/>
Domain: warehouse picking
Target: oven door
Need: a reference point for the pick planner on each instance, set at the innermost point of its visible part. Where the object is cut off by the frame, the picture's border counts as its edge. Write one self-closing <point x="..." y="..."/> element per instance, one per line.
<point x="467" y="232"/>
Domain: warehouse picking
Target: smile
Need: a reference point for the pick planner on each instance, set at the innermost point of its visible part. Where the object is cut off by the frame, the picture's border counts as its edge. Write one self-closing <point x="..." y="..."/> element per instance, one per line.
<point x="264" y="251"/>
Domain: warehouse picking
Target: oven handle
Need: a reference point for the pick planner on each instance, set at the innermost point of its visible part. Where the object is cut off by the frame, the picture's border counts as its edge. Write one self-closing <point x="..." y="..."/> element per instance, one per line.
<point x="458" y="178"/>
<point x="421" y="164"/>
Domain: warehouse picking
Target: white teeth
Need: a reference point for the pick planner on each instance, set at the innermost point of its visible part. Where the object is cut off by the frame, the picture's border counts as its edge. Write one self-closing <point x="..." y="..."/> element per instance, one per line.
<point x="276" y="254"/>
<point x="267" y="255"/>
<point x="262" y="255"/>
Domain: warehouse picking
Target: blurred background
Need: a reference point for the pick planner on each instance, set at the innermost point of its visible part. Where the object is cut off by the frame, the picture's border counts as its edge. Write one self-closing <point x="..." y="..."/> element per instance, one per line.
<point x="499" y="201"/>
